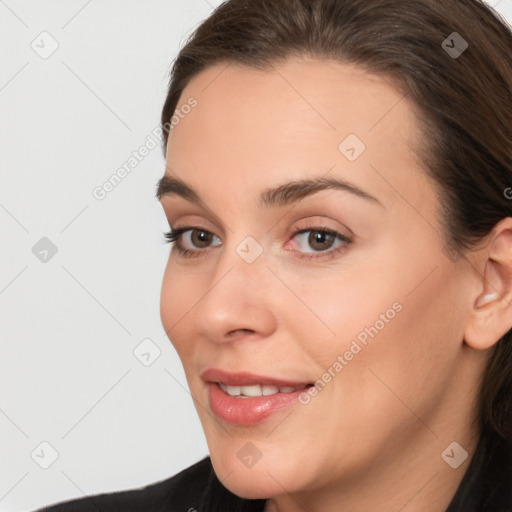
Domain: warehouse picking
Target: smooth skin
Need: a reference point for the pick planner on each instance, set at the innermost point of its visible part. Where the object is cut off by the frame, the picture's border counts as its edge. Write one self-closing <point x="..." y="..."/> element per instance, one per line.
<point x="372" y="439"/>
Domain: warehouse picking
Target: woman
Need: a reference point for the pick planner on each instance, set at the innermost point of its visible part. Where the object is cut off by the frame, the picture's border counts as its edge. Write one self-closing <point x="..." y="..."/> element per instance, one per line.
<point x="337" y="181"/>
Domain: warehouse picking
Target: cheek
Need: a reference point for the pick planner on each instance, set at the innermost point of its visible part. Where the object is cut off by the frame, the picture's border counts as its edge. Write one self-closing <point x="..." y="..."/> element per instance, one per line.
<point x="177" y="299"/>
<point x="382" y="331"/>
<point x="404" y="358"/>
<point x="342" y="311"/>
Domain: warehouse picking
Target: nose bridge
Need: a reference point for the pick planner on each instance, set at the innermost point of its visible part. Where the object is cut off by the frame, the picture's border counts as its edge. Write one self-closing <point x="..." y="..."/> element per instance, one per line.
<point x="238" y="297"/>
<point x="242" y="268"/>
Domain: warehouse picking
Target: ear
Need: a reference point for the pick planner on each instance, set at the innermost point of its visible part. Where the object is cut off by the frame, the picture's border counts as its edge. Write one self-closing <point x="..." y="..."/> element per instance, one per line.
<point x="491" y="315"/>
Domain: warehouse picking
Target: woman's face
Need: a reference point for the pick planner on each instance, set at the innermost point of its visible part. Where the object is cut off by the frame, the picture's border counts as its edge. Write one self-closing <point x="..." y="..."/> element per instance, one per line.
<point x="286" y="285"/>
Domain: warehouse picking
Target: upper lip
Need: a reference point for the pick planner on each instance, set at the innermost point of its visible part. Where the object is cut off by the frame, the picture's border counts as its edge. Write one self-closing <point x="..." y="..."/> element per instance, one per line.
<point x="246" y="379"/>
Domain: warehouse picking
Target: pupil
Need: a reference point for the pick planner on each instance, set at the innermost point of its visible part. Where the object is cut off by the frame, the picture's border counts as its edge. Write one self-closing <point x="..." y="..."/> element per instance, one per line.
<point x="320" y="237"/>
<point x="202" y="236"/>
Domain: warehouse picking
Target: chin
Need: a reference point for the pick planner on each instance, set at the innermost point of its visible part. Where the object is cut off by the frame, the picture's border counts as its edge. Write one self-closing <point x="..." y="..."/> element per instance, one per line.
<point x="265" y="479"/>
<point x="249" y="483"/>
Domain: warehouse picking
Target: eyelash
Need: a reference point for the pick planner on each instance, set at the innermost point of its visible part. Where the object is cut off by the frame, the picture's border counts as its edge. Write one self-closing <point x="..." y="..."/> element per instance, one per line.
<point x="174" y="236"/>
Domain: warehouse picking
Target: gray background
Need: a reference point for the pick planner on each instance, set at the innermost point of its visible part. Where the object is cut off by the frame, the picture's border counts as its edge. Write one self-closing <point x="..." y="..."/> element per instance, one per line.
<point x="71" y="322"/>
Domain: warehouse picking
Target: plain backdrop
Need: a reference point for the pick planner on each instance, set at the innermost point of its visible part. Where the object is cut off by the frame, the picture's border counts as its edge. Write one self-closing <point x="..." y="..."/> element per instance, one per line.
<point x="93" y="397"/>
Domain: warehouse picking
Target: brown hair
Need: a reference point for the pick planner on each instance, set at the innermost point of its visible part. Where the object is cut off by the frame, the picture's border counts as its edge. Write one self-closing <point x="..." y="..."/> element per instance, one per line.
<point x="464" y="103"/>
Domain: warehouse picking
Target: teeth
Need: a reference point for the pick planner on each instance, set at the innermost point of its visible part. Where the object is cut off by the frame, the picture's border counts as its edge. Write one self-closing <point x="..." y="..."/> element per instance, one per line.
<point x="233" y="390"/>
<point x="268" y="389"/>
<point x="250" y="390"/>
<point x="257" y="390"/>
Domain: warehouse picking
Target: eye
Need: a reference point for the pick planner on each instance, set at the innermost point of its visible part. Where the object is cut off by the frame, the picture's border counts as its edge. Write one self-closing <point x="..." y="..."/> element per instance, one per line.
<point x="192" y="242"/>
<point x="323" y="242"/>
<point x="187" y="240"/>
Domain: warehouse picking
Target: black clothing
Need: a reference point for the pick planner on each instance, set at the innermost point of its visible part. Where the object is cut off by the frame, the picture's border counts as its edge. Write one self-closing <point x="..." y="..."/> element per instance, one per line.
<point x="487" y="483"/>
<point x="486" y="487"/>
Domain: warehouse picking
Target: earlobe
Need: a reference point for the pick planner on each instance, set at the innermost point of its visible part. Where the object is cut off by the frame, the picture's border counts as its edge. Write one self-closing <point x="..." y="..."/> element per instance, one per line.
<point x="491" y="316"/>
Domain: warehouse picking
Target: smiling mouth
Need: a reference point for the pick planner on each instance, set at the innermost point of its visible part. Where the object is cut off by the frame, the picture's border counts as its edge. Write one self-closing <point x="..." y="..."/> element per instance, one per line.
<point x="259" y="389"/>
<point x="250" y="384"/>
<point x="246" y="399"/>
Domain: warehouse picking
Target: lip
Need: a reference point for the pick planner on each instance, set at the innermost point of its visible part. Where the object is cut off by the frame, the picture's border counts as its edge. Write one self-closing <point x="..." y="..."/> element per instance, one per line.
<point x="249" y="410"/>
<point x="246" y="379"/>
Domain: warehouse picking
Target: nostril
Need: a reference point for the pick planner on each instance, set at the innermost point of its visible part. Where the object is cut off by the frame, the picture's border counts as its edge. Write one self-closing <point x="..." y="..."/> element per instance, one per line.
<point x="239" y="331"/>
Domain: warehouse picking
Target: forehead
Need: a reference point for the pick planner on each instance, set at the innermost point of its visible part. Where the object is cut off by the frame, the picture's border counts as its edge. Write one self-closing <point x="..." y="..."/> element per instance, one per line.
<point x="330" y="94"/>
<point x="325" y="94"/>
<point x="254" y="128"/>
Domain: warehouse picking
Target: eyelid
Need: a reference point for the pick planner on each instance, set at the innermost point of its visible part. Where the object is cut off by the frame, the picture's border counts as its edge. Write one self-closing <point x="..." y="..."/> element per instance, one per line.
<point x="321" y="223"/>
<point x="185" y="221"/>
<point x="311" y="222"/>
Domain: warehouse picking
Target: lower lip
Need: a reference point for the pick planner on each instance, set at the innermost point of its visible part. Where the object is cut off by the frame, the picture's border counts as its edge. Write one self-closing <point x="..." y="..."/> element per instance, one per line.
<point x="251" y="410"/>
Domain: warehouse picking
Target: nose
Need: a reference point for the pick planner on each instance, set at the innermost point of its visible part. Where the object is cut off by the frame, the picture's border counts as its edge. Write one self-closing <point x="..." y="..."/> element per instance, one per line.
<point x="237" y="302"/>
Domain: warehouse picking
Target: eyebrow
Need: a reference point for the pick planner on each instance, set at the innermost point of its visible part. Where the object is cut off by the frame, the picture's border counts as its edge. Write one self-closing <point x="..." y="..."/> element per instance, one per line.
<point x="281" y="195"/>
